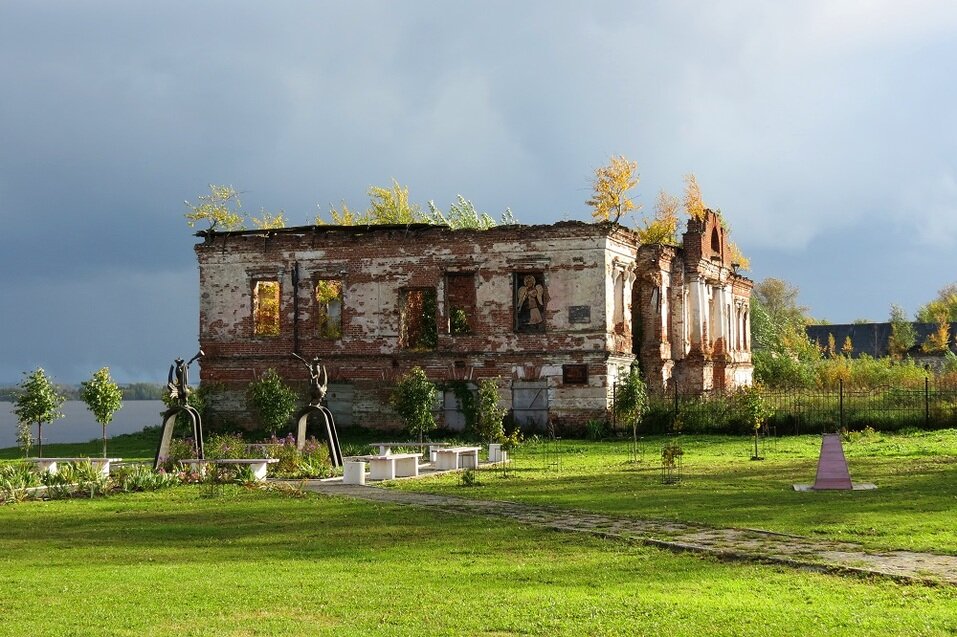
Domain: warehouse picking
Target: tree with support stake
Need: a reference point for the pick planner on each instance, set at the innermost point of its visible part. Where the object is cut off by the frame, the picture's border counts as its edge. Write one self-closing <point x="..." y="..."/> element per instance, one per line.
<point x="38" y="402"/>
<point x="755" y="412"/>
<point x="412" y="400"/>
<point x="631" y="402"/>
<point x="102" y="397"/>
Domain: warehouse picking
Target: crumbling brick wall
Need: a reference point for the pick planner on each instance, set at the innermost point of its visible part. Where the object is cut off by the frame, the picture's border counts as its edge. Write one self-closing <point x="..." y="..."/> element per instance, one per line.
<point x="551" y="305"/>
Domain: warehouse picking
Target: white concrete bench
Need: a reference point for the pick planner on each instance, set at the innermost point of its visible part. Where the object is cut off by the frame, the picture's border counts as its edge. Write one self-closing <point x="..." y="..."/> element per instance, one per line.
<point x="385" y="448"/>
<point x="392" y="466"/>
<point x="257" y="465"/>
<point x="457" y="458"/>
<point x="50" y="465"/>
<point x="496" y="453"/>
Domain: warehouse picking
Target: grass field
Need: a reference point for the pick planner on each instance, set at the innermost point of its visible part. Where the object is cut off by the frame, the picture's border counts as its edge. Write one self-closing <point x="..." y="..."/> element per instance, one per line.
<point x="135" y="446"/>
<point x="255" y="563"/>
<point x="915" y="506"/>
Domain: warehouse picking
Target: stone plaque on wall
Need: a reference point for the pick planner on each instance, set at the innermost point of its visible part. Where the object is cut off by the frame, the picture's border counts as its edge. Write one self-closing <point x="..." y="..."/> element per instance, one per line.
<point x="575" y="374"/>
<point x="579" y="314"/>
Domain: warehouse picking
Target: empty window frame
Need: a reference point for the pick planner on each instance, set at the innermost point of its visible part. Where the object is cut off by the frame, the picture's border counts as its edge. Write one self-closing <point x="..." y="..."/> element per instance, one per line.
<point x="460" y="300"/>
<point x="328" y="299"/>
<point x="417" y="319"/>
<point x="266" y="307"/>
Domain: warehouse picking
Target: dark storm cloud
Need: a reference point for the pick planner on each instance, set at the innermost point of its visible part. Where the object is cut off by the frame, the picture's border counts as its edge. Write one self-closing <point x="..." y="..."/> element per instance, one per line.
<point x="821" y="129"/>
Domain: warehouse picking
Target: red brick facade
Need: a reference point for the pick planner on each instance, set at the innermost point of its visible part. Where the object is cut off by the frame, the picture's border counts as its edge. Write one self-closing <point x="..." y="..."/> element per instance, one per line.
<point x="545" y="309"/>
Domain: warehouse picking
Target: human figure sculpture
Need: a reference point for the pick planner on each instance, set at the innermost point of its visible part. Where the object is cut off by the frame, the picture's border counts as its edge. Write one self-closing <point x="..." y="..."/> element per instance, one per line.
<point x="318" y="380"/>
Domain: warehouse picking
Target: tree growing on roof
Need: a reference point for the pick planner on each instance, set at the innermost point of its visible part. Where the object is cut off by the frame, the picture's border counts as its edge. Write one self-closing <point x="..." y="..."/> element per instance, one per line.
<point x="221" y="209"/>
<point x="463" y="214"/>
<point x="610" y="199"/>
<point x="663" y="227"/>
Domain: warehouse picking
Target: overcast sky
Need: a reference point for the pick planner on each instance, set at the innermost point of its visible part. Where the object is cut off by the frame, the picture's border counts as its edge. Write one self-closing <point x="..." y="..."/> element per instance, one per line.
<point x="825" y="131"/>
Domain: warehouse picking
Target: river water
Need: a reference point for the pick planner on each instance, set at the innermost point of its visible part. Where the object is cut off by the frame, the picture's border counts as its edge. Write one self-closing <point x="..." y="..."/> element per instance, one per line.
<point x="78" y="425"/>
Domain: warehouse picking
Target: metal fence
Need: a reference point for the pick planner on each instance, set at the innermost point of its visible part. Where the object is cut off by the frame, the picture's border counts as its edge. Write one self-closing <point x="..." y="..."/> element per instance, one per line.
<point x="804" y="411"/>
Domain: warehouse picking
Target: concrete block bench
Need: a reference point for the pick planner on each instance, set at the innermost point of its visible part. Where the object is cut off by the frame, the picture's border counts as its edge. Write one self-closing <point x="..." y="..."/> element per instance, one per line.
<point x="354" y="472"/>
<point x="456" y="458"/>
<point x="385" y="448"/>
<point x="257" y="465"/>
<point x="496" y="453"/>
<point x="393" y="465"/>
<point x="49" y="465"/>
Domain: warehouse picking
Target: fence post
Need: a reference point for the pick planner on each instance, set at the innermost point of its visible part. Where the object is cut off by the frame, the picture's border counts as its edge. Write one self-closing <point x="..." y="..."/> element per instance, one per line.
<point x="926" y="402"/>
<point x="841" y="389"/>
<point x="674" y="418"/>
<point x="614" y="406"/>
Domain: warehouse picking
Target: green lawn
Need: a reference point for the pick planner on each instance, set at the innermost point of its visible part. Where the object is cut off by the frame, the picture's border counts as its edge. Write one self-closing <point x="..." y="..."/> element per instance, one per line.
<point x="254" y="563"/>
<point x="915" y="506"/>
<point x="135" y="446"/>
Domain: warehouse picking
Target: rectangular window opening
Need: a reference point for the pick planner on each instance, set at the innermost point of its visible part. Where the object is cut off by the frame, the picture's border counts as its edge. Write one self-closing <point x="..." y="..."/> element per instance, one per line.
<point x="328" y="295"/>
<point x="418" y="321"/>
<point x="460" y="295"/>
<point x="266" y="308"/>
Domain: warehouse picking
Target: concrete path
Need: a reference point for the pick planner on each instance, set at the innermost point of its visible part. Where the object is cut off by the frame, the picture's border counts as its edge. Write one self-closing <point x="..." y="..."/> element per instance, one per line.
<point x="732" y="544"/>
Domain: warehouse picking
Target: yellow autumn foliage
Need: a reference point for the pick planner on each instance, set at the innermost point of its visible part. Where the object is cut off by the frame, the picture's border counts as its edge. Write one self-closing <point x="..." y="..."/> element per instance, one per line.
<point x="610" y="199"/>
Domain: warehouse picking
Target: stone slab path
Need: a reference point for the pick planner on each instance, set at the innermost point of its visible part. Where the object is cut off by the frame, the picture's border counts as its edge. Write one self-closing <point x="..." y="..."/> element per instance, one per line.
<point x="724" y="543"/>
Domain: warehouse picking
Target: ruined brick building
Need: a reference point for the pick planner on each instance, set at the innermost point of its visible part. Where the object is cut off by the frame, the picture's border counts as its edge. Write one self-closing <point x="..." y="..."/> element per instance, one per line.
<point x="553" y="311"/>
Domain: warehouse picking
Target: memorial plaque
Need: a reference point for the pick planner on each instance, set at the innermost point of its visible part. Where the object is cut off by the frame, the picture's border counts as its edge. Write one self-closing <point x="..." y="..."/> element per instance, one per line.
<point x="575" y="374"/>
<point x="579" y="314"/>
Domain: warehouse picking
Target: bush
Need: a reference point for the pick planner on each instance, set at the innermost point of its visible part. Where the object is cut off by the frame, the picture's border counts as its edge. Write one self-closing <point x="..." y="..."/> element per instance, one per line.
<point x="490" y="414"/>
<point x="226" y="446"/>
<point x="271" y="400"/>
<point x="141" y="478"/>
<point x="311" y="462"/>
<point x="412" y="400"/>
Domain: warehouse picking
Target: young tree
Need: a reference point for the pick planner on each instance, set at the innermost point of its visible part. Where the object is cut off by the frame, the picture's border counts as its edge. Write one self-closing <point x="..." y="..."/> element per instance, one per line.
<point x="848" y="347"/>
<point x="631" y="402"/>
<point x="611" y="185"/>
<point x="412" y="399"/>
<point x="102" y="397"/>
<point x="754" y="410"/>
<point x="270" y="221"/>
<point x="694" y="204"/>
<point x="463" y="214"/>
<point x="38" y="402"/>
<point x="939" y="341"/>
<point x="220" y="208"/>
<point x="344" y="216"/>
<point x="663" y="228"/>
<point x="489" y="422"/>
<point x="271" y="400"/>
<point x="903" y="336"/>
<point x="392" y="205"/>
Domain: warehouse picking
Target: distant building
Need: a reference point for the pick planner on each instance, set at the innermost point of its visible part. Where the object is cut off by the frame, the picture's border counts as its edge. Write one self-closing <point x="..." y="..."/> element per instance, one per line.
<point x="871" y="338"/>
<point x="553" y="311"/>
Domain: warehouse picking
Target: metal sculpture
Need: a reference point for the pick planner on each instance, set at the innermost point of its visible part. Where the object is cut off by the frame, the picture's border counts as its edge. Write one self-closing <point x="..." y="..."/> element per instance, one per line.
<point x="178" y="387"/>
<point x="319" y="385"/>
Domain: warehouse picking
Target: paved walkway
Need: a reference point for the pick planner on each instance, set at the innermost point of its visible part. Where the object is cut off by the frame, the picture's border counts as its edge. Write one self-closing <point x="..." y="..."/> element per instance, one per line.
<point x="733" y="544"/>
